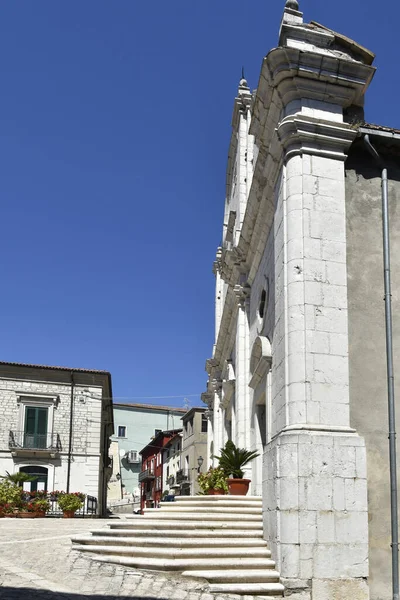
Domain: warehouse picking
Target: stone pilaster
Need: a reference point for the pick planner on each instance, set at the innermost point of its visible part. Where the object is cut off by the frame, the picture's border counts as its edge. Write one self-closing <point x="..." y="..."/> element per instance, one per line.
<point x="315" y="488"/>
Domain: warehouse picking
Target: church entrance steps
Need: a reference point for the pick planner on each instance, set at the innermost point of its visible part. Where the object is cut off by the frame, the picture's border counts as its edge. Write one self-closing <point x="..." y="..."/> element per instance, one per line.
<point x="274" y="590"/>
<point x="216" y="538"/>
<point x="199" y="515"/>
<point x="238" y="576"/>
<point x="212" y="523"/>
<point x="231" y="510"/>
<point x="171" y="542"/>
<point x="238" y="553"/>
<point x="184" y="564"/>
<point x="192" y="533"/>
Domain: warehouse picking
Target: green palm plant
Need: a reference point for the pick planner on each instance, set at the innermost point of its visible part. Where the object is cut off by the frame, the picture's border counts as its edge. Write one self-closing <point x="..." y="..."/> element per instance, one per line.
<point x="232" y="459"/>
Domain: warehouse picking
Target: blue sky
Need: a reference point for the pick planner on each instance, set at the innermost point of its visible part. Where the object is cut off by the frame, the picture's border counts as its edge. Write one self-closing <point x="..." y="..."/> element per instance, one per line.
<point x="115" y="124"/>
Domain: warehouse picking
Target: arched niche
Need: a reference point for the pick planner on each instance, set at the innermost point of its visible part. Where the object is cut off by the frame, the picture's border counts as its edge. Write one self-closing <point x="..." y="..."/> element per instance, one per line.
<point x="260" y="360"/>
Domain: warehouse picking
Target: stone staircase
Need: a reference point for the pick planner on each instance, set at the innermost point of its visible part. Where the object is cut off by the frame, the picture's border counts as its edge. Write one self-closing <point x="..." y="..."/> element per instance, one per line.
<point x="217" y="538"/>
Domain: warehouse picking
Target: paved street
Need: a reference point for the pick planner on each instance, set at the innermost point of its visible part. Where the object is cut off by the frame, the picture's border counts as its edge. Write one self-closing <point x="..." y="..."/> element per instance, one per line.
<point x="37" y="562"/>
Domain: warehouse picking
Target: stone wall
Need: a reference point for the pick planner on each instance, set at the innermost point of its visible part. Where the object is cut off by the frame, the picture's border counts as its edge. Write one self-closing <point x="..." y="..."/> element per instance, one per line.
<point x="86" y="426"/>
<point x="367" y="353"/>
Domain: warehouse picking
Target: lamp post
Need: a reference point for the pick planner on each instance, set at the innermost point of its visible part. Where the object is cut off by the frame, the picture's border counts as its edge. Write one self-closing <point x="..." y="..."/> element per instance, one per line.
<point x="200" y="461"/>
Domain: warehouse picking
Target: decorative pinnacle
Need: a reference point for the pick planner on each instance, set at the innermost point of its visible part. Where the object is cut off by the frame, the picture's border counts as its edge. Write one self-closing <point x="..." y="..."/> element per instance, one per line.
<point x="243" y="81"/>
<point x="293" y="4"/>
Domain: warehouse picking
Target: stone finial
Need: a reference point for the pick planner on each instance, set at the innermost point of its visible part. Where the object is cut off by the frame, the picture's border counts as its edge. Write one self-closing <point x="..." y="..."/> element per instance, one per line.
<point x="293" y="4"/>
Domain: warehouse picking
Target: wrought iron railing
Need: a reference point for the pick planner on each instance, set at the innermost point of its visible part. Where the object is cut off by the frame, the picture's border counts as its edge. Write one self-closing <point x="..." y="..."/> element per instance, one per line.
<point x="146" y="474"/>
<point x="20" y="440"/>
<point x="89" y="507"/>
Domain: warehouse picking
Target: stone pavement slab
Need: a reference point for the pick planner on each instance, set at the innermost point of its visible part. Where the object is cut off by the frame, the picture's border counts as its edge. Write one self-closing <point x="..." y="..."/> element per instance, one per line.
<point x="37" y="562"/>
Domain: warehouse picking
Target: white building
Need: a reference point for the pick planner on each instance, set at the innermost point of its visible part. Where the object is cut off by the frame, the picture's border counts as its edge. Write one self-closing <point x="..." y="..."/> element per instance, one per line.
<point x="279" y="372"/>
<point x="55" y="424"/>
<point x="171" y="456"/>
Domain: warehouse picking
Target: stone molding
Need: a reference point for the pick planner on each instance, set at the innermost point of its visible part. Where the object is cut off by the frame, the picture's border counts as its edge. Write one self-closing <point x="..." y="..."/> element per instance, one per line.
<point x="260" y="360"/>
<point x="242" y="293"/>
<point x="306" y="135"/>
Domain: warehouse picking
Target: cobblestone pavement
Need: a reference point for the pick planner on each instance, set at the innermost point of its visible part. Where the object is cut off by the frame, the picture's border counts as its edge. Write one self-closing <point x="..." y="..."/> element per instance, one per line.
<point x="37" y="562"/>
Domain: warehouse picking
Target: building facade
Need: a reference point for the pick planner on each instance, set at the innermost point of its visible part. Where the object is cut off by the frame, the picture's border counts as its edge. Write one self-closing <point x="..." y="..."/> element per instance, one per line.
<point x="299" y="312"/>
<point x="135" y="424"/>
<point x="194" y="450"/>
<point x="151" y="475"/>
<point x="56" y="426"/>
<point x="171" y="457"/>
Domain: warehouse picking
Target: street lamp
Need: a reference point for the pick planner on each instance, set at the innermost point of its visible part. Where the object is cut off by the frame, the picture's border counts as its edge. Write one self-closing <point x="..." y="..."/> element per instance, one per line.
<point x="200" y="461"/>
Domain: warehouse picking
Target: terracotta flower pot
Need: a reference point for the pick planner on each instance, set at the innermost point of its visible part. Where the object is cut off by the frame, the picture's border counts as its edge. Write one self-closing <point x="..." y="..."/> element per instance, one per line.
<point x="216" y="492"/>
<point x="40" y="514"/>
<point x="26" y="515"/>
<point x="68" y="514"/>
<point x="238" y="487"/>
<point x="10" y="515"/>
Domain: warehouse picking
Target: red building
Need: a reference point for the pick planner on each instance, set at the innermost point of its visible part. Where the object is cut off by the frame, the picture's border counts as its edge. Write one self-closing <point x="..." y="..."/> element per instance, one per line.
<point x="151" y="477"/>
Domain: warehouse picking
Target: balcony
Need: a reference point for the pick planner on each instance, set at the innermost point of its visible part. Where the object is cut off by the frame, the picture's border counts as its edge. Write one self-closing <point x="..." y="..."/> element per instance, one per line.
<point x="182" y="476"/>
<point x="26" y="444"/>
<point x="146" y="475"/>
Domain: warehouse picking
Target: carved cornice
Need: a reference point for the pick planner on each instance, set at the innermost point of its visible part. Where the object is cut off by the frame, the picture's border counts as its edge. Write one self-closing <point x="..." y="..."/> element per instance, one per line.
<point x="242" y="293"/>
<point x="211" y="363"/>
<point x="208" y="398"/>
<point x="299" y="134"/>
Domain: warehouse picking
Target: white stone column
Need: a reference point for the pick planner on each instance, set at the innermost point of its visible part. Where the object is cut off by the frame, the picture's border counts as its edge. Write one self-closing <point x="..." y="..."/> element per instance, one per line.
<point x="242" y="372"/>
<point x="316" y="517"/>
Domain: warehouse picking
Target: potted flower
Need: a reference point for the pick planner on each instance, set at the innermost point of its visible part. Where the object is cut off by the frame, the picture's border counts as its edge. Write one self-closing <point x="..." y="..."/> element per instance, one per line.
<point x="26" y="510"/>
<point x="213" y="482"/>
<point x="10" y="497"/>
<point x="42" y="505"/>
<point x="231" y="461"/>
<point x="70" y="503"/>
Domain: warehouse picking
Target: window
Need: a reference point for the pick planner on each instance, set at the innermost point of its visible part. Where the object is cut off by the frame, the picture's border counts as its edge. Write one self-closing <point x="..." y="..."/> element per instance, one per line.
<point x="204" y="424"/>
<point x="35" y="428"/>
<point x="121" y="431"/>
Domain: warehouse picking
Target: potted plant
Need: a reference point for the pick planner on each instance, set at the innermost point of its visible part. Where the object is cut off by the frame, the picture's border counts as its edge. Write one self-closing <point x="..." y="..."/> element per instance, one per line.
<point x="231" y="461"/>
<point x="10" y="497"/>
<point x="213" y="482"/>
<point x="70" y="503"/>
<point x="26" y="510"/>
<point x="42" y="505"/>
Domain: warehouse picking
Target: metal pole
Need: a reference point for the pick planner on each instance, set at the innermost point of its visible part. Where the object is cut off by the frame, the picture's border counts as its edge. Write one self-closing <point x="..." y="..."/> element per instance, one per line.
<point x="71" y="421"/>
<point x="390" y="372"/>
<point x="390" y="384"/>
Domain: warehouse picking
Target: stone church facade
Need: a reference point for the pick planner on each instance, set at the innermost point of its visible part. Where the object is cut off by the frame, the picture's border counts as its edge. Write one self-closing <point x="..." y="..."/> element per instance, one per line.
<point x="298" y="368"/>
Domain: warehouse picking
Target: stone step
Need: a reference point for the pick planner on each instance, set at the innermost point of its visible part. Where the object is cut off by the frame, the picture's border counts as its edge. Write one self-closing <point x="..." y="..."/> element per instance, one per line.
<point x="121" y="533"/>
<point x="226" y="515"/>
<point x="185" y="564"/>
<point x="221" y="498"/>
<point x="235" y="576"/>
<point x="170" y="542"/>
<point x="216" y="509"/>
<point x="194" y="553"/>
<point x="186" y="524"/>
<point x="211" y="504"/>
<point x="256" y="589"/>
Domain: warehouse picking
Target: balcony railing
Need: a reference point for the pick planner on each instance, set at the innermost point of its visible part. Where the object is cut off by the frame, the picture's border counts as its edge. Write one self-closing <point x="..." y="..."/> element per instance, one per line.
<point x="20" y="440"/>
<point x="182" y="475"/>
<point x="146" y="475"/>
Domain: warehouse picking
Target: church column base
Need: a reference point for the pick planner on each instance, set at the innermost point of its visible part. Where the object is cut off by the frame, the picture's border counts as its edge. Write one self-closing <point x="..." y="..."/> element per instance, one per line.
<point x="315" y="513"/>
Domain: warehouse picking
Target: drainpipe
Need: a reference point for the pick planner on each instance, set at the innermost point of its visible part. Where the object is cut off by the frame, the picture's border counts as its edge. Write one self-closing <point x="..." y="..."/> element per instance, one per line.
<point x="71" y="417"/>
<point x="390" y="372"/>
